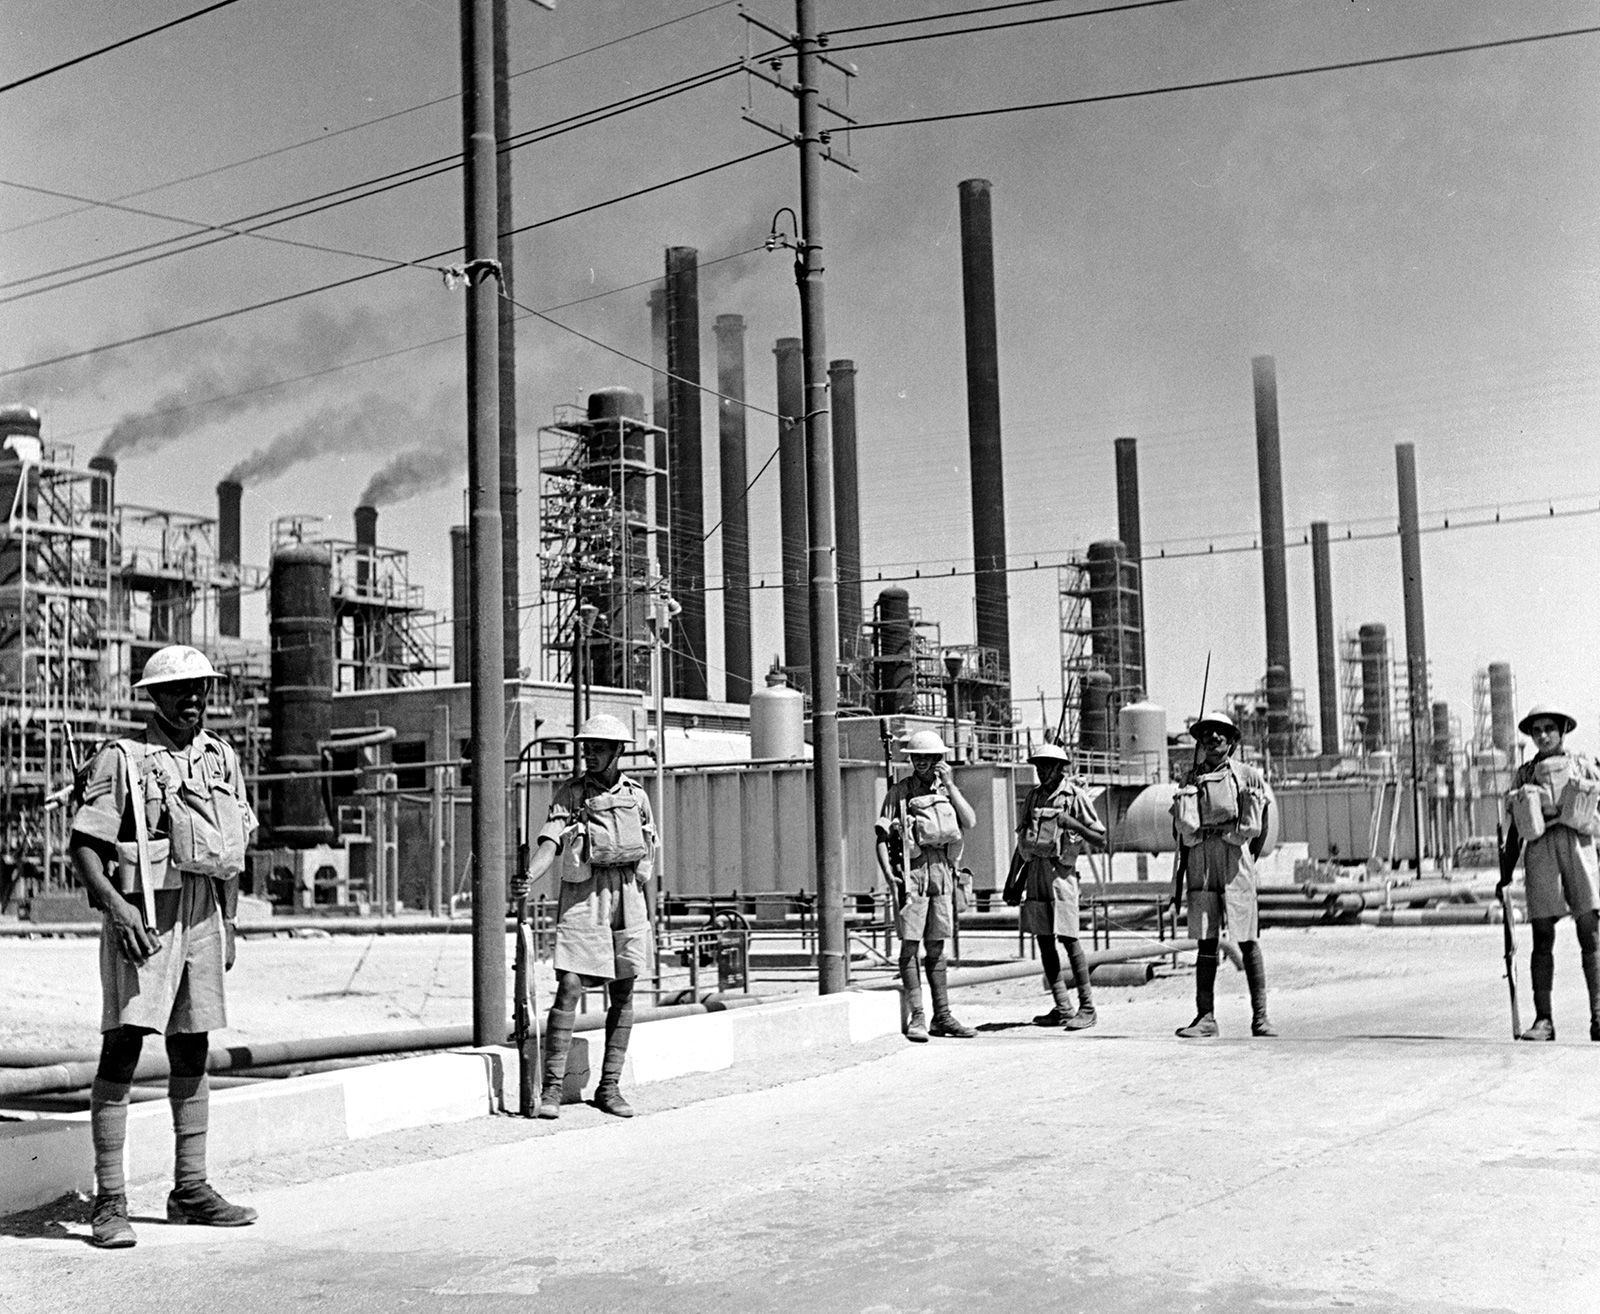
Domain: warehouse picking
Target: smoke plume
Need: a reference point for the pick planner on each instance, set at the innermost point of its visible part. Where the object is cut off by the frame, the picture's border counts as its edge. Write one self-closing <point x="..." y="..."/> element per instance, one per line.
<point x="418" y="470"/>
<point x="371" y="423"/>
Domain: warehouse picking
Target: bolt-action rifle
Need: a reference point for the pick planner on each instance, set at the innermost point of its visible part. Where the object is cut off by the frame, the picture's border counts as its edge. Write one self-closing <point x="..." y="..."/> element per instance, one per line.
<point x="525" y="1025"/>
<point x="1510" y="849"/>
<point x="1180" y="856"/>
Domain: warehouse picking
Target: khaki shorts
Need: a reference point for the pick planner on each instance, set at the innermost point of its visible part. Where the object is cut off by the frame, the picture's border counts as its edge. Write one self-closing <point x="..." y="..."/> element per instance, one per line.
<point x="1561" y="874"/>
<point x="179" y="989"/>
<point x="603" y="926"/>
<point x="1050" y="900"/>
<point x="925" y="911"/>
<point x="1222" y="892"/>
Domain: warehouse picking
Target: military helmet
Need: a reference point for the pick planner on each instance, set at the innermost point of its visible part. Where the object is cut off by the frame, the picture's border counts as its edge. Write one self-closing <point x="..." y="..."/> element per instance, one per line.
<point x="604" y="726"/>
<point x="1216" y="721"/>
<point x="1047" y="753"/>
<point x="925" y="743"/>
<point x="177" y="661"/>
<point x="1544" y="711"/>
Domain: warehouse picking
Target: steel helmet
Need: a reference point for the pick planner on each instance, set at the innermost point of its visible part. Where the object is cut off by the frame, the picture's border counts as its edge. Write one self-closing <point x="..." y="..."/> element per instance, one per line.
<point x="1216" y="721"/>
<point x="1545" y="711"/>
<point x="604" y="726"/>
<point x="177" y="661"/>
<point x="925" y="743"/>
<point x="1048" y="753"/>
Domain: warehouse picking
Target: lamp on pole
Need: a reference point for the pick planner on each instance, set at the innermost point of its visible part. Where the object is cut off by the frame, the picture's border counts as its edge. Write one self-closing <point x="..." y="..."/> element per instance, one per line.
<point x="953" y="662"/>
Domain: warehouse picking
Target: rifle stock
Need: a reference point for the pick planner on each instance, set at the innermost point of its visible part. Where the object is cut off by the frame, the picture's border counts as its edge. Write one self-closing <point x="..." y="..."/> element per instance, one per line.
<point x="525" y="1026"/>
<point x="1509" y="850"/>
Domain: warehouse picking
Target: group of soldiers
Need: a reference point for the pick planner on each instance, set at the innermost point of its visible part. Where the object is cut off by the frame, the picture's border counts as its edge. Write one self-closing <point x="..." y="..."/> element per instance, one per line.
<point x="162" y="823"/>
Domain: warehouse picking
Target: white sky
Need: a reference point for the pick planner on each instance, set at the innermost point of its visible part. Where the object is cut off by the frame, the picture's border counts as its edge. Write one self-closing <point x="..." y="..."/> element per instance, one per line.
<point x="1416" y="245"/>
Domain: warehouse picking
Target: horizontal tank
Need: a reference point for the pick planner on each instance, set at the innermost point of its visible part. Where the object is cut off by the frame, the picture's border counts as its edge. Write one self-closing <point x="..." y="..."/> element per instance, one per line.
<point x="1142" y="739"/>
<point x="1146" y="827"/>
<point x="777" y="721"/>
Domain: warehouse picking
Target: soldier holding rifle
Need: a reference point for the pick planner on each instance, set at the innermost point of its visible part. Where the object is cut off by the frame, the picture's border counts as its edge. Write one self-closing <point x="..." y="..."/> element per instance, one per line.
<point x="1058" y="823"/>
<point x="1553" y="822"/>
<point x="919" y="844"/>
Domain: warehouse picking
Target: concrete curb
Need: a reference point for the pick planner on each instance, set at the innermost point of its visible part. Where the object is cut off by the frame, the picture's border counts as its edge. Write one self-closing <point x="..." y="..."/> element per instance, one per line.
<point x="46" y="1157"/>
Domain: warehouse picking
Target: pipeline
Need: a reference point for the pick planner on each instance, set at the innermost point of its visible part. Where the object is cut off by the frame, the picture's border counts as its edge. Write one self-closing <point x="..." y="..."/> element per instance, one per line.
<point x="971" y="976"/>
<point x="75" y="1072"/>
<point x="1487" y="915"/>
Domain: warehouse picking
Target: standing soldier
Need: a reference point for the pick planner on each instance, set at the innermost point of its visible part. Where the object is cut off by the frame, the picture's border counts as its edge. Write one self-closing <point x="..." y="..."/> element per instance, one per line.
<point x="1220" y="819"/>
<point x="919" y="845"/>
<point x="600" y="824"/>
<point x="1553" y="817"/>
<point x="1058" y="822"/>
<point x="159" y="843"/>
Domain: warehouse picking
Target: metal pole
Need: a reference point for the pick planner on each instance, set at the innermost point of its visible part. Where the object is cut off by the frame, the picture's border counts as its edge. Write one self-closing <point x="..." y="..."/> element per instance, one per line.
<point x="658" y="619"/>
<point x="489" y="1018"/>
<point x="506" y="357"/>
<point x="832" y="966"/>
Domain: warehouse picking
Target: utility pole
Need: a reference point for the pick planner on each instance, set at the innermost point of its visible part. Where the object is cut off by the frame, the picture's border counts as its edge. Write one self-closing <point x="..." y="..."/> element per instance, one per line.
<point x="489" y="1022"/>
<point x="827" y="789"/>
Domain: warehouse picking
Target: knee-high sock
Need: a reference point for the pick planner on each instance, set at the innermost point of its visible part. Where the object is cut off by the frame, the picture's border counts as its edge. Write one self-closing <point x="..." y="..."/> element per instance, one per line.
<point x="1255" y="973"/>
<point x="1080" y="970"/>
<point x="1205" y="978"/>
<point x="910" y="978"/>
<point x="1049" y="961"/>
<point x="619" y="1027"/>
<point x="1542" y="965"/>
<point x="189" y="1093"/>
<point x="108" y="1107"/>
<point x="938" y="982"/>
<point x="557" y="1041"/>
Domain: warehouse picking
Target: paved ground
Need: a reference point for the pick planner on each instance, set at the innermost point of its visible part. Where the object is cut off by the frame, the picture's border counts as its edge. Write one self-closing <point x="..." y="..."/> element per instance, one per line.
<point x="1393" y="1151"/>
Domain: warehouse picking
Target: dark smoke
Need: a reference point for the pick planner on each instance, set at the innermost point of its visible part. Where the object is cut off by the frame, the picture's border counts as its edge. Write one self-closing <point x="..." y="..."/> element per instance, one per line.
<point x="371" y="423"/>
<point x="416" y="471"/>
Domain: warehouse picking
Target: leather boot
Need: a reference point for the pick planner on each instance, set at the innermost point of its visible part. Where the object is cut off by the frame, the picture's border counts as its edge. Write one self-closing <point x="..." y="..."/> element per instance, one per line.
<point x="1061" y="992"/>
<point x="944" y="1021"/>
<point x="557" y="1041"/>
<point x="619" y="1027"/>
<point x="1255" y="973"/>
<point x="1085" y="1016"/>
<point x="911" y="995"/>
<point x="1204" y="1025"/>
<point x="1591" y="978"/>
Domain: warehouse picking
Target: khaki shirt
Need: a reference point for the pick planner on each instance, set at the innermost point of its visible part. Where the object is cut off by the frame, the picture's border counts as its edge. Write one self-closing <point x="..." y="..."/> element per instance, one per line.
<point x="193" y="797"/>
<point x="564" y="821"/>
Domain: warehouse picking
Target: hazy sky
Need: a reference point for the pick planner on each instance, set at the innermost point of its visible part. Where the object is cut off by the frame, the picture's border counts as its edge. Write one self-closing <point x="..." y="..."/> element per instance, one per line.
<point x="1418" y="246"/>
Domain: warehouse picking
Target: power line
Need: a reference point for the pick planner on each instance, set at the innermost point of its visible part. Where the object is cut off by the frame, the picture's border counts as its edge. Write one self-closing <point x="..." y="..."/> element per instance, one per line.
<point x="1242" y="80"/>
<point x="357" y="127"/>
<point x="375" y="273"/>
<point x="933" y="18"/>
<point x="993" y="27"/>
<point x="115" y="45"/>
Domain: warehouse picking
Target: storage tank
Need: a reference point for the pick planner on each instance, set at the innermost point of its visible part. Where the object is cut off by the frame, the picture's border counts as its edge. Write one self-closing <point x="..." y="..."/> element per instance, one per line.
<point x="300" y="701"/>
<point x="1142" y="739"/>
<point x="1094" y="717"/>
<point x="1502" y="707"/>
<point x="895" y="689"/>
<point x="1376" y="733"/>
<point x="1146" y="827"/>
<point x="777" y="720"/>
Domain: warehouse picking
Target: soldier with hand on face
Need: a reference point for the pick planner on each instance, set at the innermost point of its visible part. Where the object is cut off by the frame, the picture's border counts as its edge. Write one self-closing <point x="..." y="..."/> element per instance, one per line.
<point x="159" y="841"/>
<point x="1058" y="823"/>
<point x="919" y="844"/>
<point x="601" y="827"/>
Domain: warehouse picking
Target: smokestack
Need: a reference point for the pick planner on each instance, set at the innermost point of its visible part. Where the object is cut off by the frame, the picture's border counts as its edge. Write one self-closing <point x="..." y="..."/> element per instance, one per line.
<point x="792" y="508"/>
<point x="1376" y="733"/>
<point x="688" y="565"/>
<point x="1327" y="652"/>
<point x="846" y="504"/>
<point x="1274" y="574"/>
<point x="366" y="518"/>
<point x="1405" y="462"/>
<point x="1127" y="450"/>
<point x="1502" y="707"/>
<point x="734" y="474"/>
<point x="102" y="497"/>
<point x="230" y="494"/>
<point x="461" y="604"/>
<point x="983" y="429"/>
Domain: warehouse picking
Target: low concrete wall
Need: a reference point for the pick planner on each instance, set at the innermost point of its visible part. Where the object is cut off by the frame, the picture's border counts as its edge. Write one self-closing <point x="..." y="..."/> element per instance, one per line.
<point x="46" y="1157"/>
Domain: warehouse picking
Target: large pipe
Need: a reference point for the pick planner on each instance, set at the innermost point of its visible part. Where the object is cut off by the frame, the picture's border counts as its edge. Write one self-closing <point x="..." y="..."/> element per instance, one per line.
<point x="688" y="553"/>
<point x="230" y="545"/>
<point x="733" y="474"/>
<point x="1405" y="462"/>
<point x="460" y="604"/>
<point x="505" y="226"/>
<point x="1502" y="707"/>
<point x="1131" y="536"/>
<point x="983" y="429"/>
<point x="846" y="504"/>
<point x="972" y="976"/>
<point x="792" y="507"/>
<point x="1327" y="650"/>
<point x="1274" y="573"/>
<point x="1376" y="733"/>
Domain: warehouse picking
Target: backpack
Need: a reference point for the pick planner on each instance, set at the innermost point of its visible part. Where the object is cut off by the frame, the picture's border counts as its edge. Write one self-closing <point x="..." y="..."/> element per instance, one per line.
<point x="1045" y="831"/>
<point x="613" y="829"/>
<point x="933" y="821"/>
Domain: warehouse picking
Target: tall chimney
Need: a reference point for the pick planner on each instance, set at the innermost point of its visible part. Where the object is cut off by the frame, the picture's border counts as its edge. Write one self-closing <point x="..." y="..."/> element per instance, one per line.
<point x="366" y="518"/>
<point x="1502" y="707"/>
<point x="461" y="604"/>
<point x="102" y="497"/>
<point x="1405" y="461"/>
<point x="505" y="252"/>
<point x="230" y="493"/>
<point x="1274" y="574"/>
<point x="793" y="525"/>
<point x="1327" y="651"/>
<point x="733" y="467"/>
<point x="688" y="565"/>
<point x="1127" y="450"/>
<point x="983" y="429"/>
<point x="846" y="504"/>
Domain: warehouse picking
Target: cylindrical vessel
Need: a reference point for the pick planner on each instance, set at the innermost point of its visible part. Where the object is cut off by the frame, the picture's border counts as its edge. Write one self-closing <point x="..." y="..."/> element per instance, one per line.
<point x="1279" y="694"/>
<point x="300" y="700"/>
<point x="1502" y="707"/>
<point x="19" y="444"/>
<point x="793" y="526"/>
<point x="1142" y="739"/>
<point x="1094" y="719"/>
<point x="1114" y="620"/>
<point x="1132" y="537"/>
<point x="1274" y="572"/>
<point x="777" y="721"/>
<point x="1442" y="746"/>
<point x="460" y="605"/>
<point x="895" y="690"/>
<point x="980" y="319"/>
<point x="1405" y="461"/>
<point x="734" y="509"/>
<point x="1327" y="650"/>
<point x="1376" y="732"/>
<point x="846" y="504"/>
<point x="230" y="543"/>
<point x="687" y="548"/>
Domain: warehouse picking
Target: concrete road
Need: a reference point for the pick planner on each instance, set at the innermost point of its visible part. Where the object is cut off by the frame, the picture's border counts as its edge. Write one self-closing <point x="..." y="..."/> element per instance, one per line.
<point x="1391" y="1152"/>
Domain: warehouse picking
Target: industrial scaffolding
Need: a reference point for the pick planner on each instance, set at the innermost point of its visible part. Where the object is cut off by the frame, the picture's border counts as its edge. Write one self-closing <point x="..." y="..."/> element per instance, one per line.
<point x="384" y="635"/>
<point x="1098" y="608"/>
